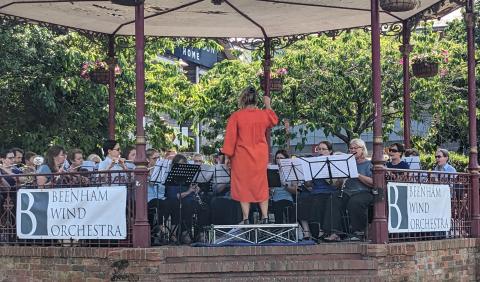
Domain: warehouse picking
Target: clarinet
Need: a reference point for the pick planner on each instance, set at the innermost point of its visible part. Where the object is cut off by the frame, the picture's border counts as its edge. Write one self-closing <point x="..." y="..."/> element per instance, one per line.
<point x="198" y="199"/>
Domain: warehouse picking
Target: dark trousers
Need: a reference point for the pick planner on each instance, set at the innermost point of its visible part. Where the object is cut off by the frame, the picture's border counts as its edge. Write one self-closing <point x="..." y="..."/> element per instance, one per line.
<point x="159" y="207"/>
<point x="357" y="206"/>
<point x="282" y="209"/>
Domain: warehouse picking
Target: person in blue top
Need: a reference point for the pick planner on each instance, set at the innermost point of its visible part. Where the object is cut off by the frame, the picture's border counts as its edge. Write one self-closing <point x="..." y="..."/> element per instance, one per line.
<point x="441" y="158"/>
<point x="54" y="159"/>
<point x="395" y="152"/>
<point x="312" y="201"/>
<point x="282" y="201"/>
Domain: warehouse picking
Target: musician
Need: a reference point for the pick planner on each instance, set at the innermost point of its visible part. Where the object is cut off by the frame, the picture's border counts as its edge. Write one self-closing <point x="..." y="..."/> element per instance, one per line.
<point x="30" y="166"/>
<point x="75" y="159"/>
<point x="94" y="158"/>
<point x="185" y="195"/>
<point x="8" y="167"/>
<point x="246" y="151"/>
<point x="54" y="159"/>
<point x="18" y="156"/>
<point x="282" y="199"/>
<point x="131" y="153"/>
<point x="156" y="201"/>
<point x="313" y="200"/>
<point x="356" y="196"/>
<point x="224" y="210"/>
<point x="395" y="153"/>
<point x="112" y="161"/>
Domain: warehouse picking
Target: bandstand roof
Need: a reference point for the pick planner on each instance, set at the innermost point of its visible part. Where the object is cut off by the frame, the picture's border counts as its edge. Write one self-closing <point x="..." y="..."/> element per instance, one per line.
<point x="203" y="19"/>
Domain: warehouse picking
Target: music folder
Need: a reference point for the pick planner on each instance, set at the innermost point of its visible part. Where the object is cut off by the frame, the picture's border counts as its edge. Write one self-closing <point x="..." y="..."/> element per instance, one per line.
<point x="273" y="176"/>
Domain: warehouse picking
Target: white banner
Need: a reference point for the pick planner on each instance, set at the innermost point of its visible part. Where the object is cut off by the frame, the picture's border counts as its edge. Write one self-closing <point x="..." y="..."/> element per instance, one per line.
<point x="415" y="207"/>
<point x="72" y="213"/>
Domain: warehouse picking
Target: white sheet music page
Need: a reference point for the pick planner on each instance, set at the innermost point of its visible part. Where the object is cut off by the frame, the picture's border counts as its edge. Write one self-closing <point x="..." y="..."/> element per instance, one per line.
<point x="315" y="168"/>
<point x="205" y="173"/>
<point x="222" y="174"/>
<point x="343" y="165"/>
<point x="160" y="170"/>
<point x="291" y="169"/>
<point x="413" y="162"/>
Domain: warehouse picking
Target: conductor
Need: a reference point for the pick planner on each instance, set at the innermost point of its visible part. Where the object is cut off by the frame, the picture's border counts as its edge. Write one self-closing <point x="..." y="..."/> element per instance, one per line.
<point x="246" y="151"/>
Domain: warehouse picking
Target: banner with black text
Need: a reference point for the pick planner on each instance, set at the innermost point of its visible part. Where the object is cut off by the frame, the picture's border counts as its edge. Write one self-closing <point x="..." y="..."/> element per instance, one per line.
<point x="72" y="213"/>
<point x="417" y="207"/>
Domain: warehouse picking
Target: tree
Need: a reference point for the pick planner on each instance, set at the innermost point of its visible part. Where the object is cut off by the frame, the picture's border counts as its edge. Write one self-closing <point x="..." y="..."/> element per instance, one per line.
<point x="327" y="86"/>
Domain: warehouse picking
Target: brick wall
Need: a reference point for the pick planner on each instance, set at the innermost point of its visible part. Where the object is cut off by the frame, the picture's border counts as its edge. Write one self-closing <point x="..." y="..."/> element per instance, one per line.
<point x="448" y="260"/>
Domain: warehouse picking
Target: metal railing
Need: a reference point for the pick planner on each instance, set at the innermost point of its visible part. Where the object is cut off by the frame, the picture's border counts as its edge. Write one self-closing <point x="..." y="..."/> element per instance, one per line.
<point x="461" y="202"/>
<point x="10" y="184"/>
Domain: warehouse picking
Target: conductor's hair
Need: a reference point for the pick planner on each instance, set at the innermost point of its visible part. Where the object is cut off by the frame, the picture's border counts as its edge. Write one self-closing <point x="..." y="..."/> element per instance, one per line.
<point x="248" y="97"/>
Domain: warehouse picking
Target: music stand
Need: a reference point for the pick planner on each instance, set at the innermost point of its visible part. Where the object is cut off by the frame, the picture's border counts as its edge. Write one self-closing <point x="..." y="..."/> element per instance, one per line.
<point x="221" y="174"/>
<point x="291" y="169"/>
<point x="204" y="177"/>
<point x="181" y="175"/>
<point x="329" y="167"/>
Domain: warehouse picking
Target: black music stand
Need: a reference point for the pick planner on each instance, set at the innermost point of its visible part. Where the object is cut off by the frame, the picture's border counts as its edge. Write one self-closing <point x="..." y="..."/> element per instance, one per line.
<point x="181" y="175"/>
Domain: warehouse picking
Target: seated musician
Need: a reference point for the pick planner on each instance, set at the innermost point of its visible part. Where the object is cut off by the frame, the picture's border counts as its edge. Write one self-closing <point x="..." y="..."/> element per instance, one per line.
<point x="314" y="199"/>
<point x="356" y="197"/>
<point x="113" y="161"/>
<point x="282" y="201"/>
<point x="224" y="210"/>
<point x="157" y="202"/>
<point x="395" y="153"/>
<point x="75" y="159"/>
<point x="54" y="160"/>
<point x="186" y="197"/>
<point x="8" y="167"/>
<point x="130" y="153"/>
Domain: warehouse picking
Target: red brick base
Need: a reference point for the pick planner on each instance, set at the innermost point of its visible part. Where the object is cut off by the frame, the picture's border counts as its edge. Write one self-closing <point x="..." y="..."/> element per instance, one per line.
<point x="452" y="260"/>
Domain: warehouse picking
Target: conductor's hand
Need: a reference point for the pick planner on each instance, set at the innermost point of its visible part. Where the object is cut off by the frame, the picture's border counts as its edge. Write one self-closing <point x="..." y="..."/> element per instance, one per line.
<point x="266" y="101"/>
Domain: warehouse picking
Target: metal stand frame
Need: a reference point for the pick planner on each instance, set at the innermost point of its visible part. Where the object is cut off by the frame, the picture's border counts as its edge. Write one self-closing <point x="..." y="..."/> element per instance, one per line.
<point x="254" y="234"/>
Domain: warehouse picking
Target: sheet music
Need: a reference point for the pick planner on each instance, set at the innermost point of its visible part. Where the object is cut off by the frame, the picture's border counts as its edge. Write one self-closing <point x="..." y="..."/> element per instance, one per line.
<point x="413" y="162"/>
<point x="205" y="173"/>
<point x="160" y="171"/>
<point x="343" y="166"/>
<point x="222" y="174"/>
<point x="315" y="168"/>
<point x="291" y="169"/>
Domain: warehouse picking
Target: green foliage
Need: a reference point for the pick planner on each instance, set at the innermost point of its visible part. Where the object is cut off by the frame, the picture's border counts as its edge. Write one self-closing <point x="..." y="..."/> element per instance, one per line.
<point x="458" y="161"/>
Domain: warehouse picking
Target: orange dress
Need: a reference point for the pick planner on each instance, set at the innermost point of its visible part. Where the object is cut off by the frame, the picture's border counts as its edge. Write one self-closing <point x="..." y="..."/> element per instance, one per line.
<point x="246" y="146"/>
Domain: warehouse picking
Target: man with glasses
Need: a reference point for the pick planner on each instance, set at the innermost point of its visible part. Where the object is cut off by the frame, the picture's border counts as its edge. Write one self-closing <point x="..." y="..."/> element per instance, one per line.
<point x="441" y="158"/>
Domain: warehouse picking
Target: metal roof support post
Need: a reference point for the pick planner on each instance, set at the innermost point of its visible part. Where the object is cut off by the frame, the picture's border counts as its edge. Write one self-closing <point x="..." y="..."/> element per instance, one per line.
<point x="379" y="224"/>
<point x="266" y="74"/>
<point x="141" y="228"/>
<point x="406" y="48"/>
<point x="472" y="119"/>
<point x="111" y="87"/>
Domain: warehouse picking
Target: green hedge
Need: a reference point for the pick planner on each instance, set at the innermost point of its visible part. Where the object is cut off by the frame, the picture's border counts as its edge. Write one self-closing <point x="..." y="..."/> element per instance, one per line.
<point x="458" y="161"/>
